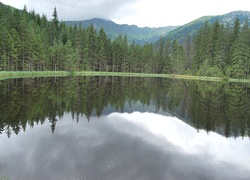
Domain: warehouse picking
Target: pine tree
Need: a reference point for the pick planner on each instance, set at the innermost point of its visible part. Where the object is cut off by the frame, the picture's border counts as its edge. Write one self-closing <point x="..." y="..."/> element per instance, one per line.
<point x="18" y="48"/>
<point x="168" y="61"/>
<point x="124" y="65"/>
<point x="148" y="58"/>
<point x="188" y="51"/>
<point x="245" y="40"/>
<point x="101" y="55"/>
<point x="232" y="40"/>
<point x="131" y="58"/>
<point x="161" y="57"/>
<point x="236" y="30"/>
<point x="70" y="57"/>
<point x="15" y="21"/>
<point x="7" y="50"/>
<point x="85" y="63"/>
<point x="239" y="66"/>
<point x="25" y="40"/>
<point x="54" y="27"/>
<point x="218" y="47"/>
<point x="92" y="47"/>
<point x="203" y="46"/>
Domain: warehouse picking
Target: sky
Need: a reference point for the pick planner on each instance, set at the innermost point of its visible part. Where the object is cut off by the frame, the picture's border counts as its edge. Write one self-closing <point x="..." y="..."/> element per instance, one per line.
<point x="150" y="13"/>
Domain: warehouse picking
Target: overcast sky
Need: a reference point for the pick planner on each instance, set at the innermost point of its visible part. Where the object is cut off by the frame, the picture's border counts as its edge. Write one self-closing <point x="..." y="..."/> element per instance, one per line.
<point x="151" y="13"/>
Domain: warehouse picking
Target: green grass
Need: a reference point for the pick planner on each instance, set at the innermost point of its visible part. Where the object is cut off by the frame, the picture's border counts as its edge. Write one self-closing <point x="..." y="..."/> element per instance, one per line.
<point x="23" y="74"/>
<point x="4" y="178"/>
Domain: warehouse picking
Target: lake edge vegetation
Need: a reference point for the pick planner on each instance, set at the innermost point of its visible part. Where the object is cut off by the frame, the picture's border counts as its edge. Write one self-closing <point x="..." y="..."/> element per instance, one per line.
<point x="26" y="74"/>
<point x="30" y="42"/>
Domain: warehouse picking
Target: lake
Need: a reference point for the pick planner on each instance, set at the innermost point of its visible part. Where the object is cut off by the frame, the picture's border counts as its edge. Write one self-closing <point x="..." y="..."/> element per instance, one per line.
<point x="123" y="128"/>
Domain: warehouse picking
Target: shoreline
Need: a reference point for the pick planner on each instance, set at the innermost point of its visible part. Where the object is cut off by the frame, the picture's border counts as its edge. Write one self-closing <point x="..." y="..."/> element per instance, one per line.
<point x="27" y="74"/>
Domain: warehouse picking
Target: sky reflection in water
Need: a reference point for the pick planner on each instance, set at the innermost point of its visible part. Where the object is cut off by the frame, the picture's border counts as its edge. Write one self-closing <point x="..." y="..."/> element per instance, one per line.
<point x="123" y="146"/>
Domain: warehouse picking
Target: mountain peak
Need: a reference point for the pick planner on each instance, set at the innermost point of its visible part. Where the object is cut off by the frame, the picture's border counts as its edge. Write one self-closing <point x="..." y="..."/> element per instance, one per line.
<point x="239" y="12"/>
<point x="192" y="27"/>
<point x="134" y="33"/>
<point x="100" y="19"/>
<point x="229" y="18"/>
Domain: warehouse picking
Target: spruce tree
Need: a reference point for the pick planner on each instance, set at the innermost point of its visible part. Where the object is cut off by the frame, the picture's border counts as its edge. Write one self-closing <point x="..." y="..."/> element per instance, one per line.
<point x="188" y="49"/>
<point x="54" y="27"/>
<point x="161" y="57"/>
<point x="168" y="61"/>
<point x="102" y="45"/>
<point x="92" y="47"/>
<point x="239" y="66"/>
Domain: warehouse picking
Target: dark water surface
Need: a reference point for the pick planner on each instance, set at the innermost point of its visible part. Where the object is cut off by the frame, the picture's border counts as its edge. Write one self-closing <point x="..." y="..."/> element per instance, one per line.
<point x="123" y="128"/>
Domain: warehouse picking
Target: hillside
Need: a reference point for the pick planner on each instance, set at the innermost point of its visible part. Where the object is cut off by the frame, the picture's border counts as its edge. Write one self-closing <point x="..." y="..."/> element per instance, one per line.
<point x="133" y="32"/>
<point x="191" y="28"/>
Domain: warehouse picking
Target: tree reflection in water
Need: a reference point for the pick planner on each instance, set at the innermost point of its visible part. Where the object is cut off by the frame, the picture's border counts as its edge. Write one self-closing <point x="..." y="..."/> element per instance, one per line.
<point x="212" y="106"/>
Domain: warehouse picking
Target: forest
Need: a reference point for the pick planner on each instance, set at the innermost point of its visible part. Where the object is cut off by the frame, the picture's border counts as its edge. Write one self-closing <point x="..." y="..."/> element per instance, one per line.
<point x="31" y="42"/>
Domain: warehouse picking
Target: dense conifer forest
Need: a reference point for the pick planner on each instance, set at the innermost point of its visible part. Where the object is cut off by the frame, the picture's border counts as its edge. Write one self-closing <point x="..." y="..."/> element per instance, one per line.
<point x="31" y="42"/>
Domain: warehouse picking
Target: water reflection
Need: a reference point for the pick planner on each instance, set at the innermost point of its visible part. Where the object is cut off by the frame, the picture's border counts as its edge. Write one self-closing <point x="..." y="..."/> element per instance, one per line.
<point x="212" y="106"/>
<point x="123" y="146"/>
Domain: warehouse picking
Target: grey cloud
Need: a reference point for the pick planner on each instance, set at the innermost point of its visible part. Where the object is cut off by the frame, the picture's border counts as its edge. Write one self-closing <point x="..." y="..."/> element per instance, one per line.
<point x="86" y="9"/>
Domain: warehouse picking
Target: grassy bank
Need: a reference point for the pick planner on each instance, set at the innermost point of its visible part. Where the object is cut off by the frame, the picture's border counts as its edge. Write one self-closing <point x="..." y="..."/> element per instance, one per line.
<point x="173" y="76"/>
<point x="23" y="74"/>
<point x="3" y="178"/>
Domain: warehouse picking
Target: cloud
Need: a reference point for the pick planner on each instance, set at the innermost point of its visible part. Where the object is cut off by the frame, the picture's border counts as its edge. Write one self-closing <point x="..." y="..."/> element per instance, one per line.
<point x="86" y="9"/>
<point x="150" y="13"/>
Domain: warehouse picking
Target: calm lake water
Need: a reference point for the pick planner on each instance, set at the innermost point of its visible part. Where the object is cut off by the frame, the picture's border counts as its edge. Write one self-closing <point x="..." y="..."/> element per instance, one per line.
<point x="118" y="128"/>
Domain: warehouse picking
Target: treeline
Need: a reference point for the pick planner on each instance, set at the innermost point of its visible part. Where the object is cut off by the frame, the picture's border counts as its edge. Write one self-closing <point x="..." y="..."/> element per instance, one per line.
<point x="220" y="50"/>
<point x="30" y="42"/>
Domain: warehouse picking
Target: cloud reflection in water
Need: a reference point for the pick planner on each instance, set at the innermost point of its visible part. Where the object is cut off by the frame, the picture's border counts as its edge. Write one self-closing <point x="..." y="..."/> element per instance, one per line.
<point x="123" y="146"/>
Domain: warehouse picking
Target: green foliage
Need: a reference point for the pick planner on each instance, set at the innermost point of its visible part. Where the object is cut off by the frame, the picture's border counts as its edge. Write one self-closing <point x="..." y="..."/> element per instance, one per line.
<point x="4" y="178"/>
<point x="208" y="70"/>
<point x="33" y="43"/>
<point x="222" y="51"/>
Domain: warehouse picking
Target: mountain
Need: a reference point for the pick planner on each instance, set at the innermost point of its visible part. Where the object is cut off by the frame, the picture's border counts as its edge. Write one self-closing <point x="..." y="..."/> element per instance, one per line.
<point x="192" y="28"/>
<point x="146" y="34"/>
<point x="133" y="32"/>
<point x="3" y="5"/>
<point x="151" y="35"/>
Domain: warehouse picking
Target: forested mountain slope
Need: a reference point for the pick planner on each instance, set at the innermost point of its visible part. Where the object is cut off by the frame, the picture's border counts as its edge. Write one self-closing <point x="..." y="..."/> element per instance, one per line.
<point x="192" y="28"/>
<point x="134" y="33"/>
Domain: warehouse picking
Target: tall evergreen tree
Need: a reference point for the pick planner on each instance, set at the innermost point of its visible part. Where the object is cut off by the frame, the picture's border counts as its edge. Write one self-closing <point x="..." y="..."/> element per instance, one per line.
<point x="54" y="27"/>
<point x="161" y="57"/>
<point x="102" y="48"/>
<point x="92" y="47"/>
<point x="168" y="68"/>
<point x="239" y="66"/>
<point x="188" y="51"/>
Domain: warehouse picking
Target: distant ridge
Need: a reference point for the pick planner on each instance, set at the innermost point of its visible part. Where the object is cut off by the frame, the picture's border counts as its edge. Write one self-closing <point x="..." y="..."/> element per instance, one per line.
<point x="142" y="35"/>
<point x="192" y="27"/>
<point x="133" y="32"/>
